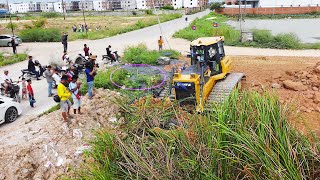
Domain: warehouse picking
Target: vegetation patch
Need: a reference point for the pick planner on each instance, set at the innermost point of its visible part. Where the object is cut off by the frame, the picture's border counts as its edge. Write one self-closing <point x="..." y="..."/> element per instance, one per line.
<point x="14" y="58"/>
<point x="262" y="38"/>
<point x="247" y="137"/>
<point x="40" y="35"/>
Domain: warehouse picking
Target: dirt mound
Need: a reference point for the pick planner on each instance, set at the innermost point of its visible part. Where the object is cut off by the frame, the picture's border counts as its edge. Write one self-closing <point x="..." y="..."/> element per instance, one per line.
<point x="306" y="81"/>
<point x="46" y="148"/>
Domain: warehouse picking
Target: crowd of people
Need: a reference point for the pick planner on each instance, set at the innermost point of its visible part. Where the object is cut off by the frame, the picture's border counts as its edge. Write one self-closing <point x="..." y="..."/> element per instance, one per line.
<point x="68" y="86"/>
<point x="80" y="28"/>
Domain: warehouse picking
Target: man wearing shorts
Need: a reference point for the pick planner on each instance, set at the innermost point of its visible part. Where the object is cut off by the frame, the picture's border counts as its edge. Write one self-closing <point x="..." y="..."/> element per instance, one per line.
<point x="64" y="94"/>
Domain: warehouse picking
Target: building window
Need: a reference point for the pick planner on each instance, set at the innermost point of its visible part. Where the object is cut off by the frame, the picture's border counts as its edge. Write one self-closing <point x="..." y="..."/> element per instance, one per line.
<point x="175" y="4"/>
<point x="190" y="3"/>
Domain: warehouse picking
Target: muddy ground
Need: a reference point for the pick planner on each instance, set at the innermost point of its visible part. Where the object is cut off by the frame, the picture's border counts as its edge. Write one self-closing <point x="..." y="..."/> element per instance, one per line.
<point x="43" y="148"/>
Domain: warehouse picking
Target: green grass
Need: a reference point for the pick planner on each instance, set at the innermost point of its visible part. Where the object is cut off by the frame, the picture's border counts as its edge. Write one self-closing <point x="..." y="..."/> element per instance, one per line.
<point x="247" y="137"/>
<point x="115" y="31"/>
<point x="262" y="38"/>
<point x="140" y="54"/>
<point x="14" y="58"/>
<point x="52" y="109"/>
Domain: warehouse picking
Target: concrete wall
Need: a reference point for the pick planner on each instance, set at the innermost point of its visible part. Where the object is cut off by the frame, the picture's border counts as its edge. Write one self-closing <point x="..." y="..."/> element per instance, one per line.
<point x="276" y="10"/>
<point x="287" y="3"/>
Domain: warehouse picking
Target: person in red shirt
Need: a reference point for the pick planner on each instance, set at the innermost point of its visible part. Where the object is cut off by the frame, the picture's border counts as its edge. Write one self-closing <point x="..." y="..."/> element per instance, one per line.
<point x="30" y="92"/>
<point x="86" y="50"/>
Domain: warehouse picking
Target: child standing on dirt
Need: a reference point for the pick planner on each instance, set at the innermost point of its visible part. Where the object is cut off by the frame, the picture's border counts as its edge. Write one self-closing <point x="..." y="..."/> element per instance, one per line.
<point x="160" y="43"/>
<point x="30" y="92"/>
<point x="24" y="88"/>
<point x="74" y="87"/>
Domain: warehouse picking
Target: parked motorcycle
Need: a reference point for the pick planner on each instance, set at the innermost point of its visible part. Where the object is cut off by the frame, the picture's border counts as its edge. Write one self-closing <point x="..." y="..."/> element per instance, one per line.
<point x="12" y="92"/>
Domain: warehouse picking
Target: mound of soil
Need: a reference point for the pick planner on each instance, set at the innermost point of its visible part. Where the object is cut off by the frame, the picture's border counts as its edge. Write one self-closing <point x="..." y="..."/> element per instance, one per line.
<point x="45" y="148"/>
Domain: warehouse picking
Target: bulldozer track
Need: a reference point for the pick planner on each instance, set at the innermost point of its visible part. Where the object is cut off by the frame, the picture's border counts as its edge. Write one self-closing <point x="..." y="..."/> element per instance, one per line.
<point x="165" y="93"/>
<point x="223" y="88"/>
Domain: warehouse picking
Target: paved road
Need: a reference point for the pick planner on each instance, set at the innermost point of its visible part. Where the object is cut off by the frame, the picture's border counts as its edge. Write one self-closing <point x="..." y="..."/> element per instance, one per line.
<point x="52" y="52"/>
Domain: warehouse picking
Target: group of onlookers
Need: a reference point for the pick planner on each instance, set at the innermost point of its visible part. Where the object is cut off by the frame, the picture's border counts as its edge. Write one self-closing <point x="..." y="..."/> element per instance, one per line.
<point x="81" y="28"/>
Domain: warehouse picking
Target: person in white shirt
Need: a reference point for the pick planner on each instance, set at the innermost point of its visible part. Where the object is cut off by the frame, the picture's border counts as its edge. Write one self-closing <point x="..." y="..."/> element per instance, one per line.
<point x="56" y="77"/>
<point x="6" y="81"/>
<point x="75" y="89"/>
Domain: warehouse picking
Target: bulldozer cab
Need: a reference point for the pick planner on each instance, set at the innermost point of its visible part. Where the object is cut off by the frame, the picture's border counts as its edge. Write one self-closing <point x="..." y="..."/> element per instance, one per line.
<point x="208" y="52"/>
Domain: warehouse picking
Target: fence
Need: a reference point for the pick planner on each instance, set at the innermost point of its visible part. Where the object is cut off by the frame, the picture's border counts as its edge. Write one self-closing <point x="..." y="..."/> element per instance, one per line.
<point x="270" y="10"/>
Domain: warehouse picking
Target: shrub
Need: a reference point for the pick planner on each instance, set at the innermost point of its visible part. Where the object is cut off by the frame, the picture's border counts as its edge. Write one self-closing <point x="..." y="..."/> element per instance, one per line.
<point x="167" y="7"/>
<point x="149" y="12"/>
<point x="287" y="41"/>
<point x="247" y="137"/>
<point x="12" y="59"/>
<point x="217" y="7"/>
<point x="39" y="23"/>
<point x="50" y="14"/>
<point x="40" y="35"/>
<point x="12" y="26"/>
<point x="170" y="53"/>
<point x="134" y="13"/>
<point x="262" y="36"/>
<point x="27" y="26"/>
<point x="140" y="55"/>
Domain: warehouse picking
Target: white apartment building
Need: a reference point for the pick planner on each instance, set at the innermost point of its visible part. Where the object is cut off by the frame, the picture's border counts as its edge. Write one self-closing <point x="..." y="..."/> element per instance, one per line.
<point x="19" y="7"/>
<point x="86" y="5"/>
<point x="184" y="3"/>
<point x="98" y="5"/>
<point x="47" y="7"/>
<point x="57" y="7"/>
<point x="128" y="4"/>
<point x="140" y="4"/>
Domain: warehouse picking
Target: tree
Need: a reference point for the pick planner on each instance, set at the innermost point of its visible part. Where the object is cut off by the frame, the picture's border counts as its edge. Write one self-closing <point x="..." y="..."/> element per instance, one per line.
<point x="216" y="7"/>
<point x="11" y="26"/>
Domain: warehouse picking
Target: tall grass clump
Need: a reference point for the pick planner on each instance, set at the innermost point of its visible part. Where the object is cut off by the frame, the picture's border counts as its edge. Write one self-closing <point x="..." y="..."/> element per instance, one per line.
<point x="247" y="137"/>
<point x="40" y="35"/>
<point x="140" y="55"/>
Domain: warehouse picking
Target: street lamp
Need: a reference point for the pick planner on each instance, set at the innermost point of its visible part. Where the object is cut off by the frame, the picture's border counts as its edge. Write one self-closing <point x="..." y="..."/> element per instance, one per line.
<point x="10" y="18"/>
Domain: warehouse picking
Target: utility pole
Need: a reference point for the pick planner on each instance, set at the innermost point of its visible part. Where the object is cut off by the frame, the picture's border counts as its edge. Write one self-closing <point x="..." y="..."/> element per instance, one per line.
<point x="63" y="10"/>
<point x="10" y="18"/>
<point x="84" y="18"/>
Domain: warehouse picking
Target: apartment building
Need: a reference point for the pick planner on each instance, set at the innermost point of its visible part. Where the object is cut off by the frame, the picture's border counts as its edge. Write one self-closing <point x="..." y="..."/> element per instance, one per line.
<point x="86" y="5"/>
<point x="128" y="4"/>
<point x="189" y="3"/>
<point x="3" y="6"/>
<point x="19" y="7"/>
<point x="141" y="4"/>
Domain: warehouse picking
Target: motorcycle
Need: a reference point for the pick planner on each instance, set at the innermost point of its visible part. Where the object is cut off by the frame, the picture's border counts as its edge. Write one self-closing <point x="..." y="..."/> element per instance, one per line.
<point x="12" y="92"/>
<point x="27" y="74"/>
<point x="115" y="58"/>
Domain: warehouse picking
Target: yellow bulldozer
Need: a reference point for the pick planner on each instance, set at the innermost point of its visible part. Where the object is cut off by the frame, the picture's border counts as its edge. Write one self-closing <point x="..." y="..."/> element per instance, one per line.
<point x="208" y="79"/>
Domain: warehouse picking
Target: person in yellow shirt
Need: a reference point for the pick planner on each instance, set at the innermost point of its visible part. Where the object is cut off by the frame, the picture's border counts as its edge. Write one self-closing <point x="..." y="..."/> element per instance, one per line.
<point x="160" y="43"/>
<point x="64" y="94"/>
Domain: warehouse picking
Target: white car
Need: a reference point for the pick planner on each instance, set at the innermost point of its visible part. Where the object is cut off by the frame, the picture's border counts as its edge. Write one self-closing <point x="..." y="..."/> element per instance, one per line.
<point x="9" y="110"/>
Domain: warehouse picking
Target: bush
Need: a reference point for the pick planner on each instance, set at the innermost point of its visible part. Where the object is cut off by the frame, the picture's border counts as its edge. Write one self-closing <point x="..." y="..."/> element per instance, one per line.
<point x="217" y="7"/>
<point x="170" y="53"/>
<point x="12" y="59"/>
<point x="287" y="41"/>
<point x="12" y="26"/>
<point x="149" y="12"/>
<point x="140" y="55"/>
<point x="39" y="23"/>
<point x="50" y="14"/>
<point x="167" y="7"/>
<point x="40" y="35"/>
<point x="247" y="137"/>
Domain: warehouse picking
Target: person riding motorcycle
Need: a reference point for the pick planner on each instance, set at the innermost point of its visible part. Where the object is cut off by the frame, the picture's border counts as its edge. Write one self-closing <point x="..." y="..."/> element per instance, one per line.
<point x="32" y="68"/>
<point x="67" y="61"/>
<point x="6" y="81"/>
<point x="109" y="54"/>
